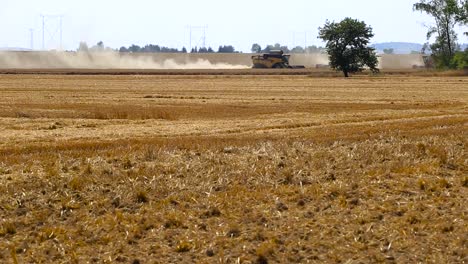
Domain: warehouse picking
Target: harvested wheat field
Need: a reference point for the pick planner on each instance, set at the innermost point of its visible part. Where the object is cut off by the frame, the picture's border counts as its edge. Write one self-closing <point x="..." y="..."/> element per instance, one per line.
<point x="233" y="169"/>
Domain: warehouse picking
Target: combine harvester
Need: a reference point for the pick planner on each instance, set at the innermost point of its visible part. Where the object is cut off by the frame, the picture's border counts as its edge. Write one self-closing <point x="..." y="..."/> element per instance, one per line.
<point x="275" y="59"/>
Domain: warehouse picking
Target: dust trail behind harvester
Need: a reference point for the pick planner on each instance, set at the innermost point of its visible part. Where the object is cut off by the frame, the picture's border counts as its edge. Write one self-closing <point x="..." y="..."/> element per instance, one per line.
<point x="309" y="60"/>
<point x="216" y="61"/>
<point x="106" y="60"/>
<point x="401" y="61"/>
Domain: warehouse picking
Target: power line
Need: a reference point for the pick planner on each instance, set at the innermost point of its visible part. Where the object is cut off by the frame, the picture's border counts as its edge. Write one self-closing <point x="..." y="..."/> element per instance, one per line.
<point x="304" y="33"/>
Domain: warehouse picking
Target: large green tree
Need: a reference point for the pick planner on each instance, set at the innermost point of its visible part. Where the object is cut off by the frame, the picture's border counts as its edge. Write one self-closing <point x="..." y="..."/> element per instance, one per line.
<point x="446" y="14"/>
<point x="347" y="46"/>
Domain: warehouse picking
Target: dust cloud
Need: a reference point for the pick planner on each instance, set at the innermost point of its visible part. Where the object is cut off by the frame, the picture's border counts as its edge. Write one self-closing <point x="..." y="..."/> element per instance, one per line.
<point x="309" y="60"/>
<point x="115" y="60"/>
<point x="105" y="60"/>
<point x="400" y="61"/>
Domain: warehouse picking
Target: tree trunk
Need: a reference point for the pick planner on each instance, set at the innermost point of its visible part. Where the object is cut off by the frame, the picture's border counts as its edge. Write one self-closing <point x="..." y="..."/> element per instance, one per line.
<point x="449" y="39"/>
<point x="346" y="74"/>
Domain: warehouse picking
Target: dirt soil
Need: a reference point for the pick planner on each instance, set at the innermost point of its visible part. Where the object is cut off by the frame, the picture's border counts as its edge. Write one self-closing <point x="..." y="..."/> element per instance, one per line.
<point x="233" y="169"/>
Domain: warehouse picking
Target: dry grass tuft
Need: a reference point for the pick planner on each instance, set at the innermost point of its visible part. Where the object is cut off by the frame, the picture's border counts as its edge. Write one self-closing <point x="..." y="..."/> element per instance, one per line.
<point x="183" y="246"/>
<point x="142" y="196"/>
<point x="8" y="228"/>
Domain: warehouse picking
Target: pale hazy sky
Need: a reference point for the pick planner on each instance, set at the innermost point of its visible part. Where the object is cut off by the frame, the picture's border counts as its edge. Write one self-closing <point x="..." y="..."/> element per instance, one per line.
<point x="240" y="23"/>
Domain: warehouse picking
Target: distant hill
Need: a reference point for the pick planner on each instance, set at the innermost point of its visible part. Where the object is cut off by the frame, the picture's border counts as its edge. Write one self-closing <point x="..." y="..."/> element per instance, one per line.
<point x="13" y="49"/>
<point x="404" y="47"/>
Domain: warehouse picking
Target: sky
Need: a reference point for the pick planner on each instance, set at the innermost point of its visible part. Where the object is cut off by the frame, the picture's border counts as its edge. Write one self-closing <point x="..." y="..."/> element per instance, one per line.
<point x="239" y="23"/>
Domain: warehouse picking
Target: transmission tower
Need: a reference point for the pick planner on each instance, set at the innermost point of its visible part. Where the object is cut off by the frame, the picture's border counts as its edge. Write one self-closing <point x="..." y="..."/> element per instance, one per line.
<point x="203" y="38"/>
<point x="51" y="26"/>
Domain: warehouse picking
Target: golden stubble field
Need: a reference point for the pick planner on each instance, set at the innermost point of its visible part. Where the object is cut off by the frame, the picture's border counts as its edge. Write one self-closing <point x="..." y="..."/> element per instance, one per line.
<point x="233" y="169"/>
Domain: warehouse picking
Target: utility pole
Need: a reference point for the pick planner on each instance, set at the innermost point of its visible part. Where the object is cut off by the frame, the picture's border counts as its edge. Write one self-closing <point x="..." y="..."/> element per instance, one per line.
<point x="204" y="37"/>
<point x="305" y="41"/>
<point x="61" y="32"/>
<point x="190" y="40"/>
<point x="31" y="31"/>
<point x="294" y="40"/>
<point x="43" y="32"/>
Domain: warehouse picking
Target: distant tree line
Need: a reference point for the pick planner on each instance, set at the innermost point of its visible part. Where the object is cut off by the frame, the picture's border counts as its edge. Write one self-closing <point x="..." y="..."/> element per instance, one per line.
<point x="221" y="49"/>
<point x="150" y="48"/>
<point x="256" y="48"/>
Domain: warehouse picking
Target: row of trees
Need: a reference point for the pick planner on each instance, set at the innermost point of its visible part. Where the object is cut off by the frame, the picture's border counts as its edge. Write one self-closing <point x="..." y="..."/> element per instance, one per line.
<point x="157" y="49"/>
<point x="447" y="14"/>
<point x="256" y="48"/>
<point x="150" y="48"/>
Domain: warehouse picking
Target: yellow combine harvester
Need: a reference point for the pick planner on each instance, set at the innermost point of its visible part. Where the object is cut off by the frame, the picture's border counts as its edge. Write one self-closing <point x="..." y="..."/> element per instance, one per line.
<point x="275" y="59"/>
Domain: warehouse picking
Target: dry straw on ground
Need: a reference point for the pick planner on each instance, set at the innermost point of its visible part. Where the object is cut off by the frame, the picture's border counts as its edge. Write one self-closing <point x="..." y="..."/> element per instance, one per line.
<point x="233" y="169"/>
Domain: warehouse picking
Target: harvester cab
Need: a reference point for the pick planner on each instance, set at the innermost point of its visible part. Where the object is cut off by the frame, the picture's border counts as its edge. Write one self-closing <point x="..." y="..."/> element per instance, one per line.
<point x="275" y="59"/>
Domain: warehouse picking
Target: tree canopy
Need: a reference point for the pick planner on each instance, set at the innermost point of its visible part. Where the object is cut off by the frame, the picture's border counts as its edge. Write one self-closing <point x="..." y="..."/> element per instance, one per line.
<point x="347" y="46"/>
<point x="256" y="48"/>
<point x="389" y="51"/>
<point x="462" y="14"/>
<point x="226" y="49"/>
